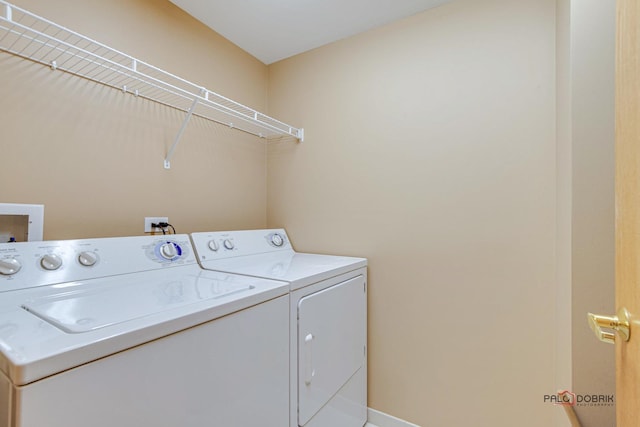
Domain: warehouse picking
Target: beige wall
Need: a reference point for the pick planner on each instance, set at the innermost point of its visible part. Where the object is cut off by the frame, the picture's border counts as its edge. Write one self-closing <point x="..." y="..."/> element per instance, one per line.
<point x="564" y="190"/>
<point x="94" y="156"/>
<point x="585" y="92"/>
<point x="592" y="123"/>
<point x="430" y="149"/>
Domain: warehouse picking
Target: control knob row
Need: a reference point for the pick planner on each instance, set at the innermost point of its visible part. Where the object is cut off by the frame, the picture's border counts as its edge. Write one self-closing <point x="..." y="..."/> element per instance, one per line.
<point x="54" y="262"/>
<point x="227" y="243"/>
<point x="49" y="262"/>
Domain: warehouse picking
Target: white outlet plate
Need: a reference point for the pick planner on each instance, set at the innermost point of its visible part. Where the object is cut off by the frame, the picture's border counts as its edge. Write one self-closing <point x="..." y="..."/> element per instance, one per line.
<point x="148" y="220"/>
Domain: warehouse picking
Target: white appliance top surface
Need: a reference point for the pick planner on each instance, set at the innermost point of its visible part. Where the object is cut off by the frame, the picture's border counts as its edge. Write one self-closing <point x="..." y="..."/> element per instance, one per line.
<point x="77" y="308"/>
<point x="253" y="256"/>
<point x="49" y="328"/>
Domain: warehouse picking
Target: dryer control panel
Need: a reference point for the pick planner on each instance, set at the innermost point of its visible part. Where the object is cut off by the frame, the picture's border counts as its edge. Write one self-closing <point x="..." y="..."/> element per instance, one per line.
<point x="31" y="264"/>
<point x="230" y="244"/>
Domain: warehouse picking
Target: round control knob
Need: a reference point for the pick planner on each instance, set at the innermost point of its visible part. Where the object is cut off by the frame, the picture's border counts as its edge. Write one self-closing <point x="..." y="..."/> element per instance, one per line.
<point x="213" y="245"/>
<point x="168" y="251"/>
<point x="228" y="244"/>
<point x="9" y="266"/>
<point x="277" y="240"/>
<point x="87" y="258"/>
<point x="51" y="262"/>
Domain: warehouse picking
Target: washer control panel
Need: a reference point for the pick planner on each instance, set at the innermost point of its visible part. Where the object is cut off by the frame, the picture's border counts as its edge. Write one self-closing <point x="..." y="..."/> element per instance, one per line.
<point x="30" y="264"/>
<point x="229" y="244"/>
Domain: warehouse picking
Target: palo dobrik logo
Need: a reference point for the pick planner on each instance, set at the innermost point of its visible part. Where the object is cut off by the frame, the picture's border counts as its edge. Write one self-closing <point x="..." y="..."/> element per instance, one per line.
<point x="566" y="398"/>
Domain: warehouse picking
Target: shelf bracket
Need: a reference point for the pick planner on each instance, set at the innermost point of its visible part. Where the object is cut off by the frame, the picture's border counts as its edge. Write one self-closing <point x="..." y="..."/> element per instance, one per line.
<point x="167" y="160"/>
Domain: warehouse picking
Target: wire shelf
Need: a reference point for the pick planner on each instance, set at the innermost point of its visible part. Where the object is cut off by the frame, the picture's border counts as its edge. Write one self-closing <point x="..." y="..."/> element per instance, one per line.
<point x="32" y="37"/>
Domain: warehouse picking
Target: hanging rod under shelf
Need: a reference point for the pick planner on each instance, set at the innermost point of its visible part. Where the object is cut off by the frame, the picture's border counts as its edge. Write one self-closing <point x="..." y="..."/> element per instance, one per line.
<point x="30" y="36"/>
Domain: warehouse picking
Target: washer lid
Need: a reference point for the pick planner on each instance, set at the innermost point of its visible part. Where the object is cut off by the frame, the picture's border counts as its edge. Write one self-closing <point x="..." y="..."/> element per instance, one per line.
<point x="299" y="269"/>
<point x="93" y="308"/>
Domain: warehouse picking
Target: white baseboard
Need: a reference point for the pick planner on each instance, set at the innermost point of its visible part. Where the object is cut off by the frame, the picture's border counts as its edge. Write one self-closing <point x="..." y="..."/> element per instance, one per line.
<point x="380" y="419"/>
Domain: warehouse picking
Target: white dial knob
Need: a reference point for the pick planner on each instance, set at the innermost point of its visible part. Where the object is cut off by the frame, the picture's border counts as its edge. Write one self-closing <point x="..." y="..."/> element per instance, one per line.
<point x="51" y="262"/>
<point x="228" y="244"/>
<point x="9" y="266"/>
<point x="213" y="245"/>
<point x="277" y="240"/>
<point x="168" y="251"/>
<point x="87" y="258"/>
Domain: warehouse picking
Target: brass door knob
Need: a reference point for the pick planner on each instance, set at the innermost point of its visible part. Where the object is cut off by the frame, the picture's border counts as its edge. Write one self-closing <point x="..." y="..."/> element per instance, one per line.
<point x="619" y="323"/>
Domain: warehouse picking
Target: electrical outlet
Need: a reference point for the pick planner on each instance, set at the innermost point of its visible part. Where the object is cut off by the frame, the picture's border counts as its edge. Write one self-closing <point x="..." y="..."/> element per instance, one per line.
<point x="148" y="220"/>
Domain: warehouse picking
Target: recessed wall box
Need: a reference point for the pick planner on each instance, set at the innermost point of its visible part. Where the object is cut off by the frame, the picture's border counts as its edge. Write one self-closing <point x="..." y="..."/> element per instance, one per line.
<point x="20" y="222"/>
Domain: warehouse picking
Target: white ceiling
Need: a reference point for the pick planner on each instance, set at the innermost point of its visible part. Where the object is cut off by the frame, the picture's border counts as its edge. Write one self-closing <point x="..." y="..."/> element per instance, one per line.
<point x="272" y="30"/>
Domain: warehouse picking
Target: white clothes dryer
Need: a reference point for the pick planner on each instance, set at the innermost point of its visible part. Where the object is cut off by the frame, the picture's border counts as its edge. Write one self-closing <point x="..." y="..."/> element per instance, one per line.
<point x="131" y="332"/>
<point x="328" y="319"/>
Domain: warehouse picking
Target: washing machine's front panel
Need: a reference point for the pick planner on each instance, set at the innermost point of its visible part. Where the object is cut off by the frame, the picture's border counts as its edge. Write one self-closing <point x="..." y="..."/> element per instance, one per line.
<point x="331" y="343"/>
<point x="230" y="372"/>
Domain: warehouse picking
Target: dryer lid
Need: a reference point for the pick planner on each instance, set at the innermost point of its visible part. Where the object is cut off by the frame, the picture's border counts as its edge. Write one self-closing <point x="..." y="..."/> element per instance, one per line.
<point x="299" y="269"/>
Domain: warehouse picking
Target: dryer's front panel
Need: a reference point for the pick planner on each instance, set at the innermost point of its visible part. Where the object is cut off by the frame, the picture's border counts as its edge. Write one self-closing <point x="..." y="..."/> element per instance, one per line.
<point x="331" y="343"/>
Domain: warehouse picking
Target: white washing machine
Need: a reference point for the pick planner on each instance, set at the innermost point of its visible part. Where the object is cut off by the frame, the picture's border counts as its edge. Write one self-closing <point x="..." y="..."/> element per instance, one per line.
<point x="131" y="332"/>
<point x="328" y="319"/>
